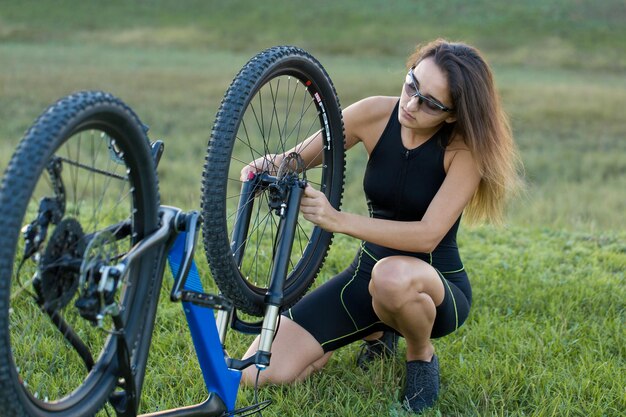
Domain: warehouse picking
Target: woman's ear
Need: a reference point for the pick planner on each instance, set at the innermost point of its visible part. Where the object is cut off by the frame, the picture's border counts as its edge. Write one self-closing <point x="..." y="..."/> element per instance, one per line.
<point x="450" y="119"/>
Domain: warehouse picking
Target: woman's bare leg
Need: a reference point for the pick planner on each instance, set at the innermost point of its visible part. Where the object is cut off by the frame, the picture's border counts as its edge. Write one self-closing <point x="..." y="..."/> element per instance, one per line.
<point x="405" y="292"/>
<point x="295" y="355"/>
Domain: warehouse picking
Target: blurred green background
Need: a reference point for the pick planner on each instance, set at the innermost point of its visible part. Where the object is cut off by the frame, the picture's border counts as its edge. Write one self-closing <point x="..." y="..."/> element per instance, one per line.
<point x="560" y="67"/>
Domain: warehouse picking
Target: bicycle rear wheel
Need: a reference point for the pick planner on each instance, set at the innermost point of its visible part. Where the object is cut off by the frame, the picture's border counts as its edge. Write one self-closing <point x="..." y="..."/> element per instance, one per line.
<point x="83" y="189"/>
<point x="281" y="97"/>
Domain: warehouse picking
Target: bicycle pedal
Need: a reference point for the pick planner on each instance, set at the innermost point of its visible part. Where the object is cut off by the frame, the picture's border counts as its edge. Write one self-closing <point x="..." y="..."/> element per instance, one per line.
<point x="212" y="301"/>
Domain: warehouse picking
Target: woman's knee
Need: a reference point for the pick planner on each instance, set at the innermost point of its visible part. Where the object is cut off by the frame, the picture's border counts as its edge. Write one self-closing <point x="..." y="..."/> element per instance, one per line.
<point x="391" y="277"/>
<point x="400" y="277"/>
<point x="397" y="280"/>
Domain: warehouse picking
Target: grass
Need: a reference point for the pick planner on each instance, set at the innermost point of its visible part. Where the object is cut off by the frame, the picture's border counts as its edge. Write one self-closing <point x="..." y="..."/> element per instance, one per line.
<point x="572" y="148"/>
<point x="546" y="333"/>
<point x="545" y="338"/>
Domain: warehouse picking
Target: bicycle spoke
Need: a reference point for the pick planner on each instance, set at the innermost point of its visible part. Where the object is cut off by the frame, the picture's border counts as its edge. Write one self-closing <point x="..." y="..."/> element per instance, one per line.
<point x="91" y="181"/>
<point x="274" y="107"/>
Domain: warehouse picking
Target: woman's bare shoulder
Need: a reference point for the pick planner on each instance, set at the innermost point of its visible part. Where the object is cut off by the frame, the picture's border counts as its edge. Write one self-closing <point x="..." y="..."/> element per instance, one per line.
<point x="457" y="149"/>
<point x="457" y="143"/>
<point x="372" y="107"/>
<point x="365" y="120"/>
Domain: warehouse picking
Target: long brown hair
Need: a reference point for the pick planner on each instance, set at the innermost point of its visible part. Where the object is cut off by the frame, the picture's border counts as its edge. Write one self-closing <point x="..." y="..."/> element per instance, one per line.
<point x="480" y="122"/>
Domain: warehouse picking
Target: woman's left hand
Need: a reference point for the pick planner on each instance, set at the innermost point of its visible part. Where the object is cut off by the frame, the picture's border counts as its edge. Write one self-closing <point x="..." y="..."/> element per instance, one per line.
<point x="316" y="208"/>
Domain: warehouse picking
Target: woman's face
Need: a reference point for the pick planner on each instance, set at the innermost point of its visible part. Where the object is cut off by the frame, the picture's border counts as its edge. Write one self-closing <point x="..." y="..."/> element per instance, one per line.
<point x="425" y="100"/>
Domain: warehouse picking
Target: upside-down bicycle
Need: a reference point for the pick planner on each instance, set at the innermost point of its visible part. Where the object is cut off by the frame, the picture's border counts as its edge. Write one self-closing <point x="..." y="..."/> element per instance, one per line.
<point x="85" y="241"/>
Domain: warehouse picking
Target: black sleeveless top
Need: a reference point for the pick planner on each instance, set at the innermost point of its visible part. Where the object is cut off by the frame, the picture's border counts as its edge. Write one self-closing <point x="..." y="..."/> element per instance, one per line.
<point x="400" y="183"/>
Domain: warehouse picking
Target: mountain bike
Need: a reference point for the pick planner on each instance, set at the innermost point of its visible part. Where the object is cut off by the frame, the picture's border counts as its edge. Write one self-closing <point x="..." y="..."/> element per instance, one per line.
<point x="85" y="241"/>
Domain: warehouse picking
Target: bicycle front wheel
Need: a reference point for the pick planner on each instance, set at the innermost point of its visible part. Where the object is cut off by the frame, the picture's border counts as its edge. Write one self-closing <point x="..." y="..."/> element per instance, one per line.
<point x="281" y="97"/>
<point x="82" y="188"/>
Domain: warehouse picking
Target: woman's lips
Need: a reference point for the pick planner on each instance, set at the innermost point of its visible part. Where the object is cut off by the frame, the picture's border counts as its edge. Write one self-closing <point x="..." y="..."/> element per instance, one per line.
<point x="407" y="115"/>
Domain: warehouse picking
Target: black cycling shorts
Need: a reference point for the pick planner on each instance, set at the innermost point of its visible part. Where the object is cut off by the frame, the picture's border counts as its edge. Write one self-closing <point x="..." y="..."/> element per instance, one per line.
<point x="340" y="311"/>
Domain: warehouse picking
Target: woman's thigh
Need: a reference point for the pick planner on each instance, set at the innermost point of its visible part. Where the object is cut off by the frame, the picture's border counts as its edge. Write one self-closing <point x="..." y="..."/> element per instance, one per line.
<point x="340" y="311"/>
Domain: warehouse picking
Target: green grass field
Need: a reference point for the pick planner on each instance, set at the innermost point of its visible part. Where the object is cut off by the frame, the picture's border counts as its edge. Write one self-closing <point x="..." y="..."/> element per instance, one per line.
<point x="546" y="336"/>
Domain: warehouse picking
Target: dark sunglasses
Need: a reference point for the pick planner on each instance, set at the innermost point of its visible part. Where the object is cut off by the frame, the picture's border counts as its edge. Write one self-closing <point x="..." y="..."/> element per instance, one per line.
<point x="431" y="106"/>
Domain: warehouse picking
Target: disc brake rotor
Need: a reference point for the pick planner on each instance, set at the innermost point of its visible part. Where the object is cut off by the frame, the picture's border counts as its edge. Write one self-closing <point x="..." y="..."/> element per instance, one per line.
<point x="291" y="164"/>
<point x="101" y="250"/>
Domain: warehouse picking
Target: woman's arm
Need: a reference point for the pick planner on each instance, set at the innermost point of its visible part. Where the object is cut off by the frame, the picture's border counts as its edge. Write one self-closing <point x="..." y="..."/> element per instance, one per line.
<point x="360" y="120"/>
<point x="310" y="150"/>
<point x="461" y="182"/>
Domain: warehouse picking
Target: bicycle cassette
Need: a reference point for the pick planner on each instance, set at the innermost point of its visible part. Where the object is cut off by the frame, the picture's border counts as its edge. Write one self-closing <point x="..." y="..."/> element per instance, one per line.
<point x="59" y="267"/>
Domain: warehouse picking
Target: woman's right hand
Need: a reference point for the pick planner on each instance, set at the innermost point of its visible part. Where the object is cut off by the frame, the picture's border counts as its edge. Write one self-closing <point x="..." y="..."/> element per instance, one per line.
<point x="267" y="163"/>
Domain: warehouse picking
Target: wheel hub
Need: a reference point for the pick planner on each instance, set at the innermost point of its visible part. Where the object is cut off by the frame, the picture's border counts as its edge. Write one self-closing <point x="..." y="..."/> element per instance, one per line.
<point x="291" y="166"/>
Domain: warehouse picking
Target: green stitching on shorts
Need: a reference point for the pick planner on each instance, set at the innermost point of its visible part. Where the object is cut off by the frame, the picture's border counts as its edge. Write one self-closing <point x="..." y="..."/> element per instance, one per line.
<point x="456" y="313"/>
<point x="350" y="334"/>
<point x="452" y="272"/>
<point x="368" y="253"/>
<point x="356" y="271"/>
<point x="447" y="272"/>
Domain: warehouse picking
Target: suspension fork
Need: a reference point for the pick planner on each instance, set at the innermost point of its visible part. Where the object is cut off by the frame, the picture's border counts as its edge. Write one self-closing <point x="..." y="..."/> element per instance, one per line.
<point x="285" y="200"/>
<point x="244" y="213"/>
<point x="287" y="210"/>
<point x="249" y="188"/>
<point x="274" y="295"/>
<point x="224" y="317"/>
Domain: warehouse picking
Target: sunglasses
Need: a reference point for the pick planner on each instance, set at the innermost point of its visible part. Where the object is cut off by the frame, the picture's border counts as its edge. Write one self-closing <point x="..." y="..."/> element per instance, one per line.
<point x="431" y="106"/>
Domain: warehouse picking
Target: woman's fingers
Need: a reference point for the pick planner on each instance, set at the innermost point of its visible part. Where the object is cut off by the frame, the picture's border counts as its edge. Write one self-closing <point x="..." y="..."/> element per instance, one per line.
<point x="316" y="208"/>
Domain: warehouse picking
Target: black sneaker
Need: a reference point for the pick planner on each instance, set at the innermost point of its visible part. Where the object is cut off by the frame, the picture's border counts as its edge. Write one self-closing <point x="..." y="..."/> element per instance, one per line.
<point x="422" y="385"/>
<point x="371" y="350"/>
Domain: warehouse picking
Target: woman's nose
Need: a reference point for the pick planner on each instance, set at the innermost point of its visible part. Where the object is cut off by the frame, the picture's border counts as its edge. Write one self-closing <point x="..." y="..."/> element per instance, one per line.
<point x="414" y="102"/>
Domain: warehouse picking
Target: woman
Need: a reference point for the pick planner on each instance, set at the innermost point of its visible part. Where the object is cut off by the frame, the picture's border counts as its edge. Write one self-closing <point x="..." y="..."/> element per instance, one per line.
<point x="442" y="148"/>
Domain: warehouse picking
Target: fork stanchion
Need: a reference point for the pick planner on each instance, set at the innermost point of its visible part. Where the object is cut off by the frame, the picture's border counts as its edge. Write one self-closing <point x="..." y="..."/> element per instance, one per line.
<point x="222" y="320"/>
<point x="267" y="336"/>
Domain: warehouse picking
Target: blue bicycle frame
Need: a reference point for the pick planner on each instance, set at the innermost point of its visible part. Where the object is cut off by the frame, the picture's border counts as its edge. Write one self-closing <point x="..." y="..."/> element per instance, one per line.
<point x="222" y="374"/>
<point x="218" y="378"/>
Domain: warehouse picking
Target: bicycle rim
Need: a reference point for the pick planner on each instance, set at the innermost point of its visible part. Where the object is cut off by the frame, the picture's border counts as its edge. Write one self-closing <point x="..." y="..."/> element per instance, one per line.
<point x="280" y="98"/>
<point x="85" y="158"/>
